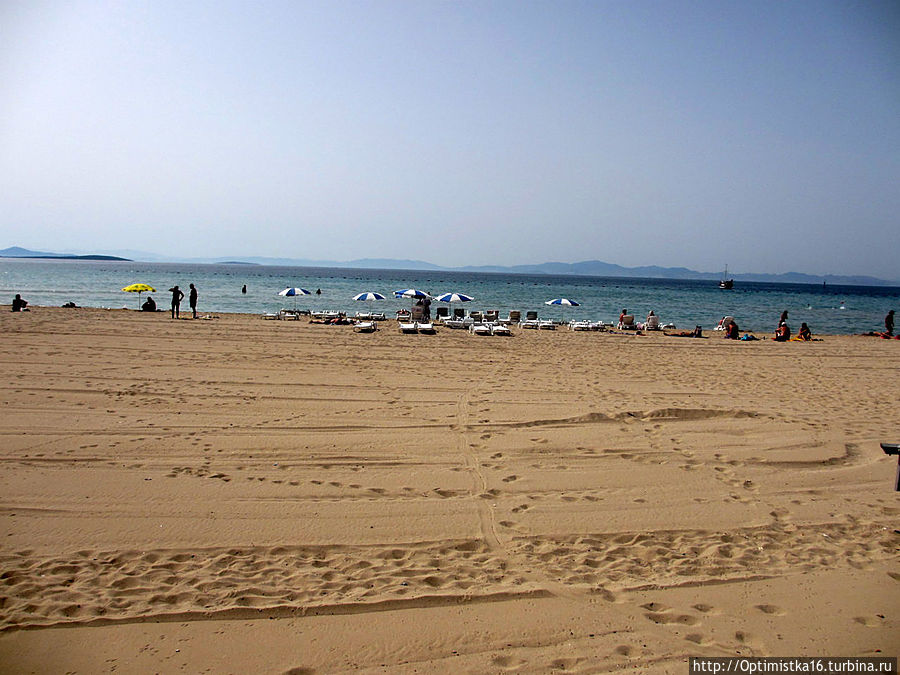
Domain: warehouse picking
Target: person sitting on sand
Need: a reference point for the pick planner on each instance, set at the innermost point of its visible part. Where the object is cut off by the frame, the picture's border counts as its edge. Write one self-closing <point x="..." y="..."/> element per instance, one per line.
<point x="732" y="332"/>
<point x="19" y="305"/>
<point x="782" y="333"/>
<point x="149" y="305"/>
<point x="622" y="316"/>
<point x="804" y="334"/>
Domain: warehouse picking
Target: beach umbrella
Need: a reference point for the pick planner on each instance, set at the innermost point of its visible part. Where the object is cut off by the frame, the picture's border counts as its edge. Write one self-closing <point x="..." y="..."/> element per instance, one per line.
<point x="562" y="301"/>
<point x="139" y="288"/>
<point x="293" y="293"/>
<point x="454" y="297"/>
<point x="370" y="295"/>
<point x="411" y="293"/>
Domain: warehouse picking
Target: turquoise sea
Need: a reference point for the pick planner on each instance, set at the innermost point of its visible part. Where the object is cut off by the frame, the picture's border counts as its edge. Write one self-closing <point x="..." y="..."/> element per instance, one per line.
<point x="755" y="306"/>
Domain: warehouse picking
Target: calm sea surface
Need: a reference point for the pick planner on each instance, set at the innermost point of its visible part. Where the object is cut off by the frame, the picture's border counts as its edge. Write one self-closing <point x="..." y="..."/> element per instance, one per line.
<point x="755" y="306"/>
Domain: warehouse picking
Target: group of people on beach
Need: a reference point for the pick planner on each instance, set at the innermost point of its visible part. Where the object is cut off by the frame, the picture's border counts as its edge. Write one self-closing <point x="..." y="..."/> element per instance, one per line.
<point x="178" y="296"/>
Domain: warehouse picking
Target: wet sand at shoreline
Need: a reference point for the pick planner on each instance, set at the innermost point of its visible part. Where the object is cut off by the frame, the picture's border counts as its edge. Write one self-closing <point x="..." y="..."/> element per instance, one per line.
<point x="240" y="495"/>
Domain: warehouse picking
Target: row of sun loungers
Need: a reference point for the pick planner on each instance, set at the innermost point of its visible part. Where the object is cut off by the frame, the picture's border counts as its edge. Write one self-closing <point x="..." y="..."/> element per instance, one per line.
<point x="365" y="322"/>
<point x="416" y="327"/>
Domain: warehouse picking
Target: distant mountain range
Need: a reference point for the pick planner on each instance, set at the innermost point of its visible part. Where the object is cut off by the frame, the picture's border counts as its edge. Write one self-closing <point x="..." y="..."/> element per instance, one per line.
<point x="595" y="268"/>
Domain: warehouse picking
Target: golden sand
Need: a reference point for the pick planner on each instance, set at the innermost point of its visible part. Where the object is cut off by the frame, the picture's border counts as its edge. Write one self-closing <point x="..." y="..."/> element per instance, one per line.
<point x="239" y="495"/>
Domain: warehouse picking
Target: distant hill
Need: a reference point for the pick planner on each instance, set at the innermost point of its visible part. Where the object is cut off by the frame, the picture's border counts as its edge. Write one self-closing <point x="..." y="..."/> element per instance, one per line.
<point x="602" y="269"/>
<point x="594" y="268"/>
<point x="18" y="252"/>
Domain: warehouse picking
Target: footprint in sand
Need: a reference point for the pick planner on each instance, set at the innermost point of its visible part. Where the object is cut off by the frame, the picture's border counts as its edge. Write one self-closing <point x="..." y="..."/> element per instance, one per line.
<point x="770" y="609"/>
<point x="870" y="621"/>
<point x="703" y="608"/>
<point x="508" y="662"/>
<point x="683" y="619"/>
<point x="696" y="638"/>
<point x="510" y="479"/>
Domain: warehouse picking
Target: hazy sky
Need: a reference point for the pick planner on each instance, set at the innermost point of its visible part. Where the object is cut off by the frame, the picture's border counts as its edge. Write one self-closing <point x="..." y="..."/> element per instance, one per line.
<point x="764" y="135"/>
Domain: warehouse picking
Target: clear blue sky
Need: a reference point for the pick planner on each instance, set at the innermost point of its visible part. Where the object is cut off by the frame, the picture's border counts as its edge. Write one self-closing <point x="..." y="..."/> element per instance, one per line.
<point x="764" y="135"/>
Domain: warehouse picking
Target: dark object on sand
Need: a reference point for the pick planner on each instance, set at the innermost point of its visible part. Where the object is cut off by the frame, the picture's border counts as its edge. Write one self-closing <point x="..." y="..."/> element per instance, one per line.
<point x="893" y="449"/>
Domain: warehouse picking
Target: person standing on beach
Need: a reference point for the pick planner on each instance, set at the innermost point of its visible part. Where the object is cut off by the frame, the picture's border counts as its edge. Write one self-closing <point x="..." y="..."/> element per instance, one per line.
<point x="889" y="323"/>
<point x="192" y="299"/>
<point x="244" y="289"/>
<point x="177" y="297"/>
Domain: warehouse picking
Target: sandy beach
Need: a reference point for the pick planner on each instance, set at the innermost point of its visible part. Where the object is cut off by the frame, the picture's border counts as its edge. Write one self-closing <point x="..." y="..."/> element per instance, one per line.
<point x="237" y="495"/>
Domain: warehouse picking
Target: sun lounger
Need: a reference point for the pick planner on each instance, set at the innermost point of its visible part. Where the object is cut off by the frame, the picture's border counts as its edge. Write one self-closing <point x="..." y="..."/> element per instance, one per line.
<point x="272" y="316"/>
<point x="365" y="327"/>
<point x="546" y="324"/>
<point x="531" y="324"/>
<point x="531" y="315"/>
<point x="627" y="323"/>
<point x="723" y="324"/>
<point x="500" y="329"/>
<point x="581" y="325"/>
<point x="480" y="329"/>
<point x="408" y="327"/>
<point x="424" y="327"/>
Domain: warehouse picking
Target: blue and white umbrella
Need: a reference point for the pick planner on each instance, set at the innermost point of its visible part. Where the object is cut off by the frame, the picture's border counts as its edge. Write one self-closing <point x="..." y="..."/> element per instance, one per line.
<point x="290" y="292"/>
<point x="411" y="293"/>
<point x="562" y="301"/>
<point x="293" y="293"/>
<point x="370" y="295"/>
<point x="454" y="297"/>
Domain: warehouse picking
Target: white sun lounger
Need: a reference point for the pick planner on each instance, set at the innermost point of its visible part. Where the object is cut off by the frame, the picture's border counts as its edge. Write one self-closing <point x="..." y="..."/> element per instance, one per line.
<point x="425" y="327"/>
<point x="365" y="327"/>
<point x="406" y="327"/>
<point x="480" y="329"/>
<point x="500" y="329"/>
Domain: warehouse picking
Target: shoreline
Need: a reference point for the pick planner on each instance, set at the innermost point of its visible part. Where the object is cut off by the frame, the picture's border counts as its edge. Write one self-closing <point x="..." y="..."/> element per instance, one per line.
<point x="762" y="336"/>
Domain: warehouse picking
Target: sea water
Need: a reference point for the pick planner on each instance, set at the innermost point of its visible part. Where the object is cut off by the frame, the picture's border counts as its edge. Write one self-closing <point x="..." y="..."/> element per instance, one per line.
<point x="685" y="303"/>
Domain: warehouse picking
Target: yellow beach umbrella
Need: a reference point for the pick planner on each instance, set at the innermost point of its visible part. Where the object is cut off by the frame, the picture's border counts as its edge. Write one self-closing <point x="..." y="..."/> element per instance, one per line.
<point x="139" y="288"/>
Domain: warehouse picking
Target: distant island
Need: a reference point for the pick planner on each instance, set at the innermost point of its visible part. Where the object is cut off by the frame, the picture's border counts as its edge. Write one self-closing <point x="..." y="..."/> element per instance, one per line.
<point x="17" y="252"/>
<point x="592" y="268"/>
